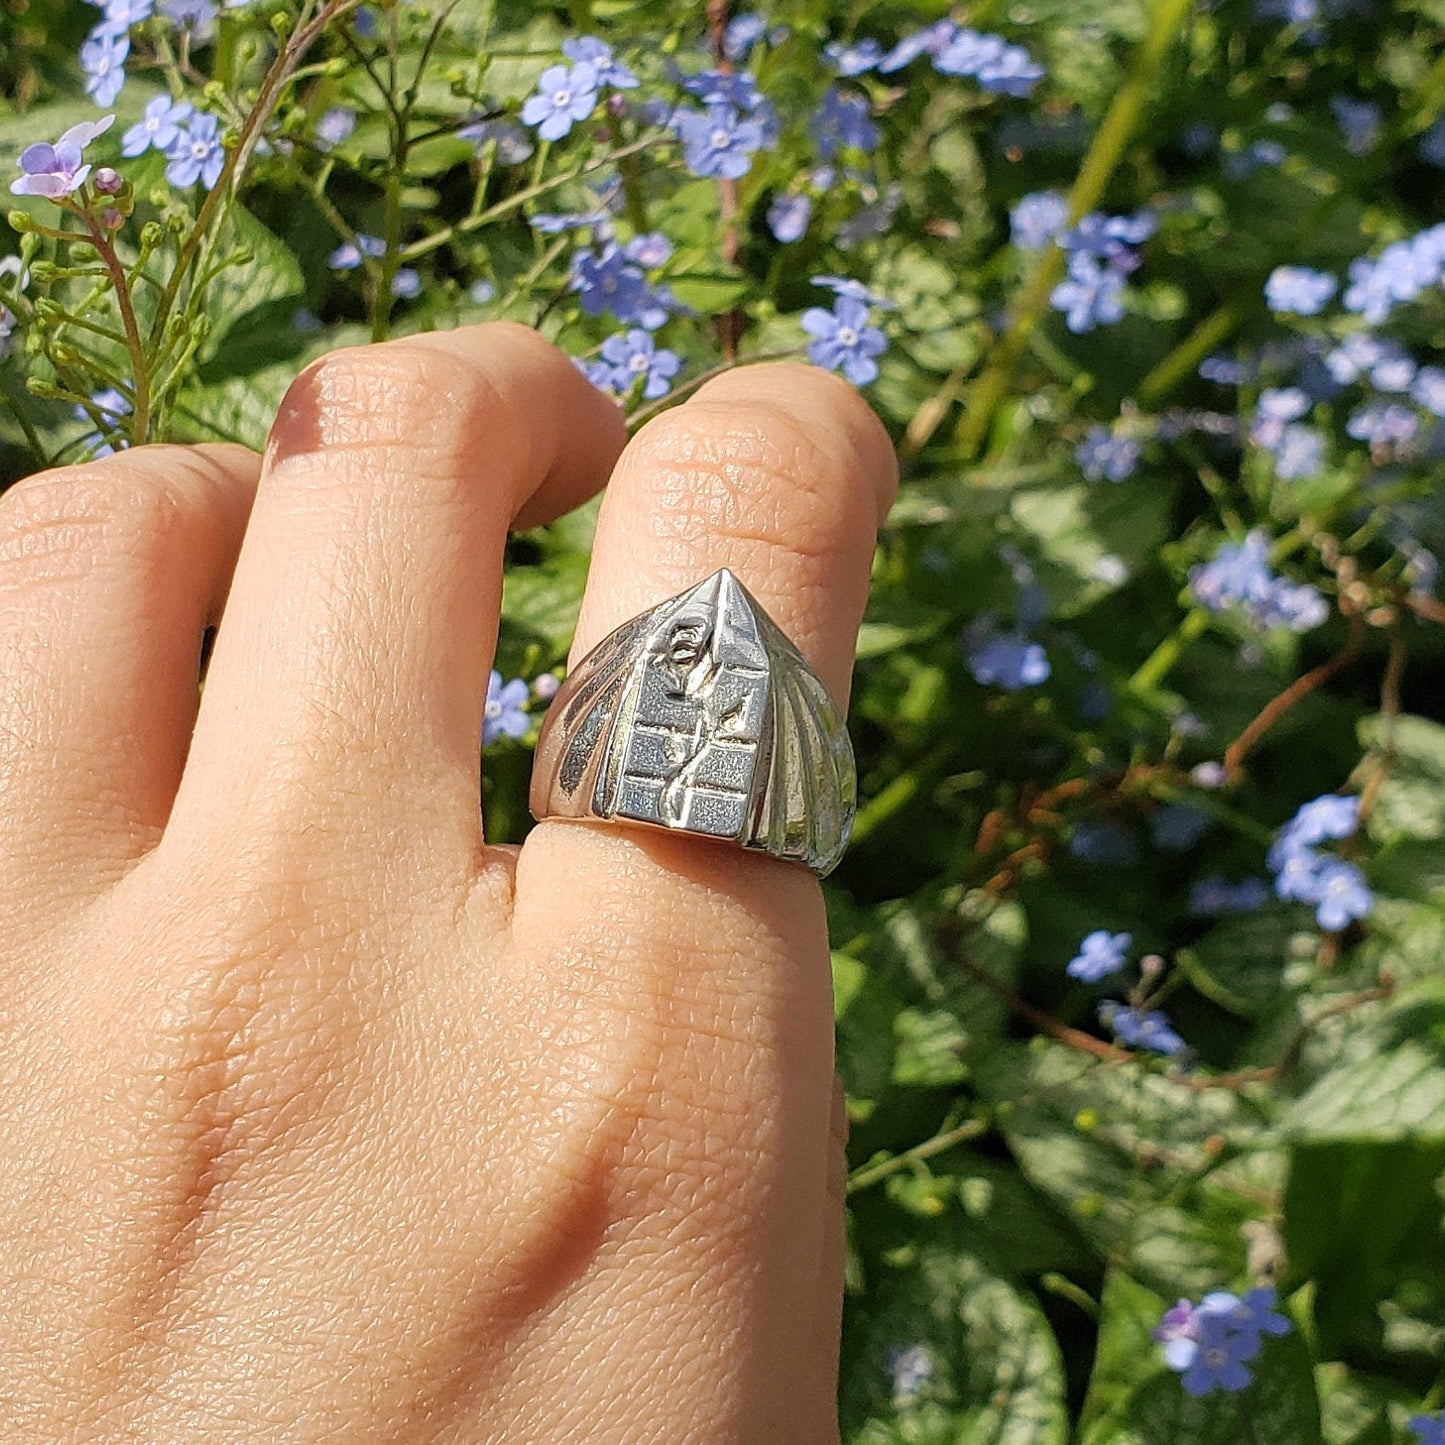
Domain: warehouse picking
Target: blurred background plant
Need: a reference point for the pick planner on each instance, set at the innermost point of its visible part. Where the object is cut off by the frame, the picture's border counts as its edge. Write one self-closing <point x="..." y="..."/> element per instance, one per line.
<point x="1139" y="946"/>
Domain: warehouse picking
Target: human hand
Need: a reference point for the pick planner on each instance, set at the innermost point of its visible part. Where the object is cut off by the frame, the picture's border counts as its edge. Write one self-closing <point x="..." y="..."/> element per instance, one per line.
<point x="321" y="1119"/>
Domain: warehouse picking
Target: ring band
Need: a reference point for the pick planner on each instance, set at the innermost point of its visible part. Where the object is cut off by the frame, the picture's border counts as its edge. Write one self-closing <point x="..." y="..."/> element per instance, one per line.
<point x="700" y="716"/>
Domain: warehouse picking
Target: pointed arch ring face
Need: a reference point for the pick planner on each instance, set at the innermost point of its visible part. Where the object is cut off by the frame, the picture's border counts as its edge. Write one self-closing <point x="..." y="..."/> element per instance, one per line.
<point x="701" y="716"/>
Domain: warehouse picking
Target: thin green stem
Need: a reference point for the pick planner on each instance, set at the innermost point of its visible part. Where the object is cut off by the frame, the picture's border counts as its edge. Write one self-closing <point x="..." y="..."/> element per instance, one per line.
<point x="1104" y="155"/>
<point x="1157" y="666"/>
<point x="867" y="1175"/>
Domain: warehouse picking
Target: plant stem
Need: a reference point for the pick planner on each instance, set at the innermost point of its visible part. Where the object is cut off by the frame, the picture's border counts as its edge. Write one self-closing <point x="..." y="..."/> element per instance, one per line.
<point x="140" y="379"/>
<point x="867" y="1175"/>
<point x="1156" y="667"/>
<point x="1104" y="155"/>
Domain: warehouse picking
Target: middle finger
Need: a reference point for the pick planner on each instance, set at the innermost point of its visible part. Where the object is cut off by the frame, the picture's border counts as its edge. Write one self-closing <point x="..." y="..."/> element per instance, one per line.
<point x="359" y="628"/>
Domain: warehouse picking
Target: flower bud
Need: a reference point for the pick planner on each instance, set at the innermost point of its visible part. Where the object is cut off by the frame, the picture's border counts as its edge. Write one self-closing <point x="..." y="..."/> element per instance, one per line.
<point x="111" y="218"/>
<point x="108" y="181"/>
<point x="20" y="222"/>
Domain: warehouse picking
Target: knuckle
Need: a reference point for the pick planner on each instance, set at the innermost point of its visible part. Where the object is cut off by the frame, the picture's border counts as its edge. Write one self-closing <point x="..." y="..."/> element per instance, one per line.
<point x="745" y="474"/>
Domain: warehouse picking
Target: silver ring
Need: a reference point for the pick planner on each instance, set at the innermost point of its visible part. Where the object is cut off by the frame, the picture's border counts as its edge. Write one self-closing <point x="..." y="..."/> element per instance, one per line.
<point x="701" y="717"/>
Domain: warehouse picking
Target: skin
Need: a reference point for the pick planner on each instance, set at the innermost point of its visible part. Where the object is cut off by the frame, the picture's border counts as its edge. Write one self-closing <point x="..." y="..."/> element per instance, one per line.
<point x="321" y="1119"/>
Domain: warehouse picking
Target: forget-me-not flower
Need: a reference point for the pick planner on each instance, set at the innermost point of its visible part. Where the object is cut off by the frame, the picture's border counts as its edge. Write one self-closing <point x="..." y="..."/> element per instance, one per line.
<point x="718" y="141"/>
<point x="1100" y="955"/>
<point x="856" y="58"/>
<point x="633" y="356"/>
<point x="606" y="69"/>
<point x="845" y="340"/>
<point x="1141" y="1028"/>
<point x="55" y="171"/>
<point x="1010" y="660"/>
<point x="1091" y="294"/>
<point x="1037" y="219"/>
<point x="842" y="119"/>
<point x="564" y="96"/>
<point x="196" y="154"/>
<point x="102" y="58"/>
<point x="157" y="126"/>
<point x="1298" y="290"/>
<point x="1105" y="454"/>
<point x="788" y="216"/>
<point x="503" y="714"/>
<point x="1428" y="1429"/>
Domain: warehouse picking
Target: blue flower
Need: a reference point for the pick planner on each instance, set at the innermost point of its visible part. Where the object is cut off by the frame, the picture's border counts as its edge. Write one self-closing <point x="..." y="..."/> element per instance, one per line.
<point x="633" y="356"/>
<point x="348" y="255"/>
<point x="742" y="33"/>
<point x="597" y="54"/>
<point x="1240" y="576"/>
<point x="1214" y="897"/>
<point x="788" y="216"/>
<point x="1091" y="294"/>
<point x="608" y="281"/>
<point x="334" y="126"/>
<point x="1037" y="220"/>
<point x="1383" y="423"/>
<point x="718" y="141"/>
<point x="910" y="1370"/>
<point x="503" y="714"/>
<point x="1428" y="390"/>
<point x="998" y="67"/>
<point x="1432" y="144"/>
<point x="157" y="127"/>
<point x="856" y="58"/>
<point x="1359" y="122"/>
<point x="564" y="96"/>
<point x="1100" y="955"/>
<point x="1298" y="290"/>
<point x="196" y="154"/>
<point x="55" y="171"/>
<point x="854" y="290"/>
<point x="1401" y="272"/>
<point x="1219" y="1357"/>
<point x="102" y="58"/>
<point x="1428" y="1429"/>
<point x="1005" y="659"/>
<point x="1251" y="1315"/>
<point x="1299" y="453"/>
<point x="513" y="144"/>
<point x="406" y="284"/>
<point x="197" y="16"/>
<point x="1276" y="407"/>
<point x="106" y="407"/>
<point x="1141" y="1028"/>
<point x="1341" y="895"/>
<point x="844" y="340"/>
<point x="931" y="40"/>
<point x="650" y="249"/>
<point x="1330" y="816"/>
<point x="842" y="119"/>
<point x="1103" y="453"/>
<point x="1242" y="163"/>
<point x="117" y="16"/>
<point x="1110" y="238"/>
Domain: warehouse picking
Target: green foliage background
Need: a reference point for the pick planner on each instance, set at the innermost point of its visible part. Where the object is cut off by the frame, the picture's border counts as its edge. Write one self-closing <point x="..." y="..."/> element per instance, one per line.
<point x="1026" y="1198"/>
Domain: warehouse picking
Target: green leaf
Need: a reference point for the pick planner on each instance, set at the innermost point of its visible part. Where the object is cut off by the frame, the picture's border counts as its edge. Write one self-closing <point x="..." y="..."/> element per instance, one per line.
<point x="1240" y="963"/>
<point x="270" y="274"/>
<point x="1126" y="1354"/>
<point x="1386" y="1081"/>
<point x="1410" y="803"/>
<point x="1357" y="1218"/>
<point x="947" y="1351"/>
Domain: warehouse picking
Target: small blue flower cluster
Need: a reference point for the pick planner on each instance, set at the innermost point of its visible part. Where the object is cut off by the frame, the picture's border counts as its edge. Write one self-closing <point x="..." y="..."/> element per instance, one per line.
<point x="1107" y="455"/>
<point x="1299" y="290"/>
<point x="107" y="47"/>
<point x="1103" y="954"/>
<point x="1239" y="576"/>
<point x="566" y="95"/>
<point x="1403" y="271"/>
<point x="1337" y="889"/>
<point x="612" y="279"/>
<point x="630" y="357"/>
<point x="1210" y="1344"/>
<point x="1102" y="252"/>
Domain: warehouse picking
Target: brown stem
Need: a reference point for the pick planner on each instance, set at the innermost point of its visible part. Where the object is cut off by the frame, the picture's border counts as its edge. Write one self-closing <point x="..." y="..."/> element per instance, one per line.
<point x="140" y="379"/>
<point x="1384" y="751"/>
<point x="1298" y="690"/>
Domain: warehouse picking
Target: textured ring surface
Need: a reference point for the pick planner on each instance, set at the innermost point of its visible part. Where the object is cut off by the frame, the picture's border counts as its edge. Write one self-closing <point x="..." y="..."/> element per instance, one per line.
<point x="700" y="715"/>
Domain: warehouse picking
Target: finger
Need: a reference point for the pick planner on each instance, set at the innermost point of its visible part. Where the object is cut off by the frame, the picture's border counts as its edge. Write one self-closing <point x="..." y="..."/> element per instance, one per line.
<point x="109" y="575"/>
<point x="716" y="959"/>
<point x="362" y="617"/>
